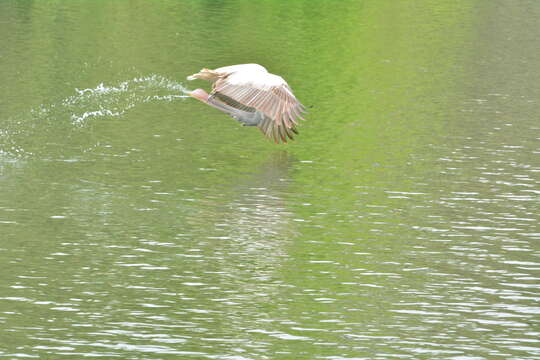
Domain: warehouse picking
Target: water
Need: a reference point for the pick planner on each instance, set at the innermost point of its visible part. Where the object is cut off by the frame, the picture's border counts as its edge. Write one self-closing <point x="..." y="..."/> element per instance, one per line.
<point x="136" y="223"/>
<point x="73" y="114"/>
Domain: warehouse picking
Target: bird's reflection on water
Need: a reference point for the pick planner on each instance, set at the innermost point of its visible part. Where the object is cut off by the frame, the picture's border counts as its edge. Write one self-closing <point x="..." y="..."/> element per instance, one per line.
<point x="255" y="220"/>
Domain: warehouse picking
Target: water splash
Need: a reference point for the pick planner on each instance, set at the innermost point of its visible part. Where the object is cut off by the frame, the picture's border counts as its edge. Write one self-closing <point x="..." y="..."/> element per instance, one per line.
<point x="117" y="100"/>
<point x="37" y="129"/>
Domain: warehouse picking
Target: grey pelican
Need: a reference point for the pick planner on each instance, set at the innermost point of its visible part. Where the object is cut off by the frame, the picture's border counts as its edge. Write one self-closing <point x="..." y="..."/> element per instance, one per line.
<point x="254" y="97"/>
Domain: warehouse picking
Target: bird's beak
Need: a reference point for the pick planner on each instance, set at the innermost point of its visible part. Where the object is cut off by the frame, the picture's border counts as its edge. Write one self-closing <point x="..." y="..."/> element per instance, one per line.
<point x="199" y="94"/>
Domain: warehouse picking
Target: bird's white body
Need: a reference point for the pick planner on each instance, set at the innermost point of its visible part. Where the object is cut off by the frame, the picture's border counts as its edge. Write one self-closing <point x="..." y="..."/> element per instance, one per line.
<point x="252" y="75"/>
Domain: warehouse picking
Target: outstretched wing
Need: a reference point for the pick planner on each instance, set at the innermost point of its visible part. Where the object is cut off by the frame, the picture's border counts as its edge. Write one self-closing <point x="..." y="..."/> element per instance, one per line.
<point x="277" y="132"/>
<point x="267" y="93"/>
<point x="250" y="115"/>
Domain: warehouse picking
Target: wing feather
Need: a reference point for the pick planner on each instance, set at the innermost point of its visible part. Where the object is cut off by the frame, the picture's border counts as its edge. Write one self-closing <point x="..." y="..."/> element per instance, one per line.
<point x="276" y="132"/>
<point x="267" y="93"/>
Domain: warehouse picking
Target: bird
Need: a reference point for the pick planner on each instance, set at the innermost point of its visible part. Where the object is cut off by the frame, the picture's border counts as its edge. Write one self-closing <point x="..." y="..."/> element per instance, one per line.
<point x="254" y="97"/>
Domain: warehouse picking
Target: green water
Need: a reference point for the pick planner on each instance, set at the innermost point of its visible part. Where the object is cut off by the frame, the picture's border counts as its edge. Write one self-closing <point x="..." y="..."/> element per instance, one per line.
<point x="139" y="224"/>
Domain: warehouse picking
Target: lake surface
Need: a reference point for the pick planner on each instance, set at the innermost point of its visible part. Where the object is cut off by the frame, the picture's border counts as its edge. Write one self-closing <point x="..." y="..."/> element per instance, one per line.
<point x="403" y="222"/>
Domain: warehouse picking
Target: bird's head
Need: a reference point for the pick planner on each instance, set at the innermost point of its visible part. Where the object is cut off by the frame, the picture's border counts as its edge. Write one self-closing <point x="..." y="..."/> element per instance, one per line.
<point x="204" y="74"/>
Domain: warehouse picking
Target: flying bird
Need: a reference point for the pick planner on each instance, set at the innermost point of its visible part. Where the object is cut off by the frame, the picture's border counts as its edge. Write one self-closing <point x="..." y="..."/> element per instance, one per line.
<point x="254" y="97"/>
